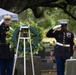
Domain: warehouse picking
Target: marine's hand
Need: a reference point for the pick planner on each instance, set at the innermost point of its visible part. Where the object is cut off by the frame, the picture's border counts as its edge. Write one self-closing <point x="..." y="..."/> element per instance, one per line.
<point x="1" y="21"/>
<point x="15" y="56"/>
<point x="57" y="26"/>
<point x="71" y="57"/>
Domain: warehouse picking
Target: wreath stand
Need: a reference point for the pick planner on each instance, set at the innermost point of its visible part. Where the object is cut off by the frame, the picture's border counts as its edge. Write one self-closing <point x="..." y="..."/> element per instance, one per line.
<point x="25" y="37"/>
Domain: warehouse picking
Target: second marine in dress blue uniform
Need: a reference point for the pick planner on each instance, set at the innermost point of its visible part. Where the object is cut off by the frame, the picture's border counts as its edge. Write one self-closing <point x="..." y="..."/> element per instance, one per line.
<point x="64" y="46"/>
<point x="65" y="38"/>
<point x="6" y="55"/>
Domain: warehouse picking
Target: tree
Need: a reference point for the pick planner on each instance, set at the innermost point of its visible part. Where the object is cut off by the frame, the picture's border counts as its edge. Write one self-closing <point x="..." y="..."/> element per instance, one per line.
<point x="19" y="6"/>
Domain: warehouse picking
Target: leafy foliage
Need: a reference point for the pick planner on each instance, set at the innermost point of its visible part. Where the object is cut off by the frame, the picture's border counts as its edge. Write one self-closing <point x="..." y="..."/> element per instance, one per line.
<point x="44" y="23"/>
<point x="16" y="25"/>
<point x="37" y="6"/>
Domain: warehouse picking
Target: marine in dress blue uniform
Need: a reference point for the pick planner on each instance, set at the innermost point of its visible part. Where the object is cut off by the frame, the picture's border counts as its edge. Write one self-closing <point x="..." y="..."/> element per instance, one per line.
<point x="6" y="55"/>
<point x="64" y="46"/>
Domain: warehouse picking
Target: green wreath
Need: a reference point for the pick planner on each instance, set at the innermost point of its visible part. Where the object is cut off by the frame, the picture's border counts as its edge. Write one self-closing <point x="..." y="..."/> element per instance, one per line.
<point x="34" y="42"/>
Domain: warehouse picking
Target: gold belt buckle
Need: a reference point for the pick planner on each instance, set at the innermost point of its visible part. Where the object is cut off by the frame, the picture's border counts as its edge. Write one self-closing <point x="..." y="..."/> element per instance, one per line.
<point x="64" y="45"/>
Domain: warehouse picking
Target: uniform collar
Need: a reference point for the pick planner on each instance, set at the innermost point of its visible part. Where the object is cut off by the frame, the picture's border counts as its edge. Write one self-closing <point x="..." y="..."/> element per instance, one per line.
<point x="64" y="31"/>
<point x="3" y="24"/>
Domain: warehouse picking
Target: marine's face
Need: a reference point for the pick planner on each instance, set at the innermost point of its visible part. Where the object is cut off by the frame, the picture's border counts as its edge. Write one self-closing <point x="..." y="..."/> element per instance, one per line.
<point x="7" y="22"/>
<point x="64" y="27"/>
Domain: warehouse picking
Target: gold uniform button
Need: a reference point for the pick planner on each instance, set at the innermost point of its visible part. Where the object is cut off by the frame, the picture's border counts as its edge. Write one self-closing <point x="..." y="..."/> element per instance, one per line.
<point x="3" y="28"/>
<point x="63" y="40"/>
<point x="7" y="29"/>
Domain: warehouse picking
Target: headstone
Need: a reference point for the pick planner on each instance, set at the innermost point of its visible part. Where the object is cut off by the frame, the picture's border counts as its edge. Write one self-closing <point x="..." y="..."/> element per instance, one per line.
<point x="70" y="67"/>
<point x="20" y="66"/>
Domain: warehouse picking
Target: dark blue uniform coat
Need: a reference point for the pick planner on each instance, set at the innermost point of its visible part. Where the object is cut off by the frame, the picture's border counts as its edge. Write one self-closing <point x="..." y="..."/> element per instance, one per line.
<point x="63" y="38"/>
<point x="5" y="51"/>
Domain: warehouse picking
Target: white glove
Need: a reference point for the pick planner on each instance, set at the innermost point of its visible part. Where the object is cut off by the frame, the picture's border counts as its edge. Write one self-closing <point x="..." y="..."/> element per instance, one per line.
<point x="71" y="57"/>
<point x="1" y="21"/>
<point x="57" y="27"/>
<point x="15" y="56"/>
